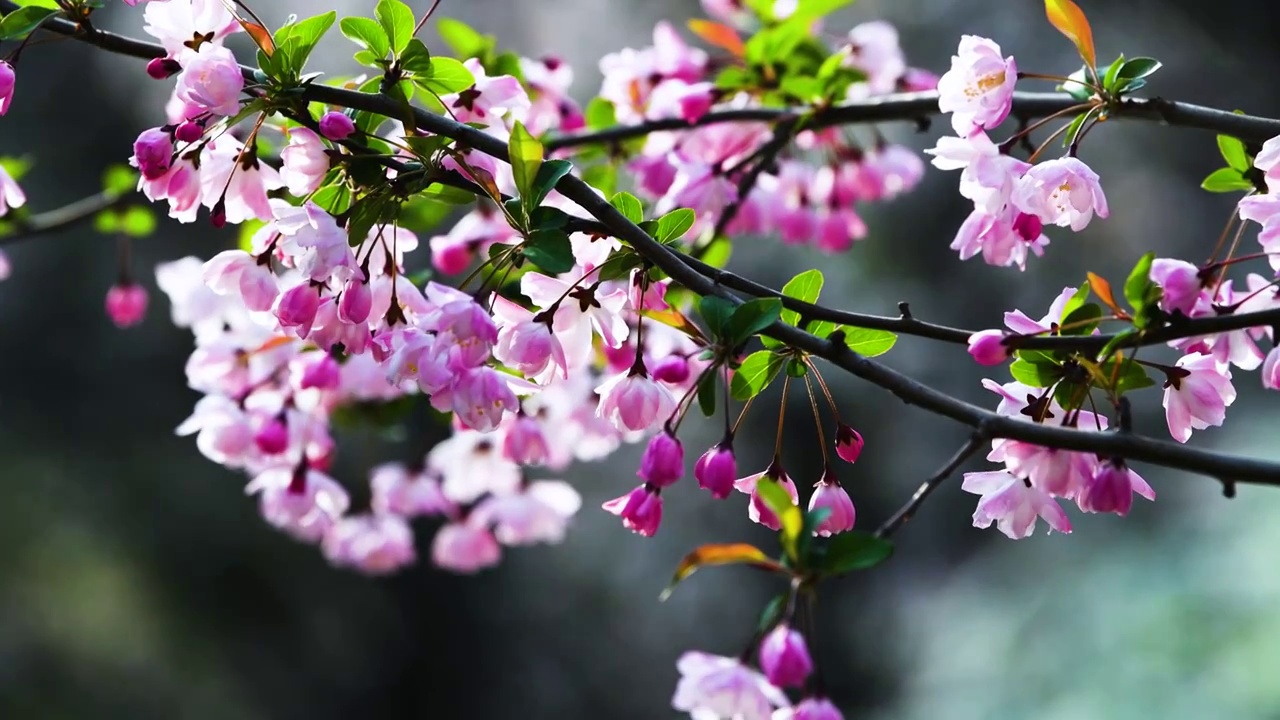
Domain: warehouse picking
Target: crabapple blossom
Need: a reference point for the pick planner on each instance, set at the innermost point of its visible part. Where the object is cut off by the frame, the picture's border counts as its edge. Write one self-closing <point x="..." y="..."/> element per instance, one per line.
<point x="175" y="22"/>
<point x="8" y="78"/>
<point x="1063" y="192"/>
<point x="211" y="80"/>
<point x="830" y="495"/>
<point x="540" y="513"/>
<point x="303" y="162"/>
<point x="373" y="544"/>
<point x="640" y="509"/>
<point x="304" y="503"/>
<point x="1012" y="504"/>
<point x="634" y="402"/>
<point x="465" y="547"/>
<point x="1112" y="489"/>
<point x="153" y="152"/>
<point x="758" y="510"/>
<point x="1196" y="395"/>
<point x="663" y="461"/>
<point x="784" y="657"/>
<point x="11" y="195"/>
<point x="848" y="443"/>
<point x="336" y="126"/>
<point x="126" y="304"/>
<point x="722" y="687"/>
<point x="811" y="708"/>
<point x="987" y="347"/>
<point x="717" y="470"/>
<point x="1179" y="282"/>
<point x="978" y="89"/>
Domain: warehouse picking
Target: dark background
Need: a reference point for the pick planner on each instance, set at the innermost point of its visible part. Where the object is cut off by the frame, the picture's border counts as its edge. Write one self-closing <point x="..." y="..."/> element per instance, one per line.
<point x="137" y="581"/>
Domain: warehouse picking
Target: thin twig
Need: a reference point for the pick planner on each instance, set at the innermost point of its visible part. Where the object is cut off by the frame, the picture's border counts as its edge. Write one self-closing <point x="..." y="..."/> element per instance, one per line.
<point x="33" y="226"/>
<point x="906" y="512"/>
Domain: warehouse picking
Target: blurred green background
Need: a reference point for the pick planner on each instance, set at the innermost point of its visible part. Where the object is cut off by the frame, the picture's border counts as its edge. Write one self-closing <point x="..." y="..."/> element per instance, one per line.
<point x="137" y="581"/>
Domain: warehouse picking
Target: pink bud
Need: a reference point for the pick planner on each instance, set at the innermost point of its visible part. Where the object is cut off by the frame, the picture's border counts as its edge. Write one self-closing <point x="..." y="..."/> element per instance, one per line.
<point x="336" y="126"/>
<point x="8" y="78"/>
<point x="273" y="437"/>
<point x="1179" y="282"/>
<point x="189" y="132"/>
<point x="640" y="510"/>
<point x="325" y="374"/>
<point x="717" y="470"/>
<point x="450" y="259"/>
<point x="127" y="304"/>
<point x="784" y="657"/>
<point x="848" y="443"/>
<point x="162" y="68"/>
<point x="987" y="347"/>
<point x="816" y="708"/>
<point x="297" y="307"/>
<point x="525" y="443"/>
<point x="917" y="80"/>
<point x="218" y="215"/>
<point x="832" y="496"/>
<point x="152" y="151"/>
<point x="1271" y="370"/>
<point x="672" y="369"/>
<point x="663" y="461"/>
<point x="355" y="303"/>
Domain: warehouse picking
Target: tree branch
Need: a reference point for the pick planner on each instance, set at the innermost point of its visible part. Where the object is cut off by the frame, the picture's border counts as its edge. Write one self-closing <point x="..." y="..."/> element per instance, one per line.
<point x="32" y="226"/>
<point x="906" y="512"/>
<point x="1224" y="467"/>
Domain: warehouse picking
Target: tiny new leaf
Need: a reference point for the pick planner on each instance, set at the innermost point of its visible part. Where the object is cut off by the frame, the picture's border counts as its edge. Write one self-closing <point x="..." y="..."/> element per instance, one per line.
<point x="1233" y="152"/>
<point x="1224" y="180"/>
<point x="720" y="554"/>
<point x="1069" y="19"/>
<point x="1102" y="289"/>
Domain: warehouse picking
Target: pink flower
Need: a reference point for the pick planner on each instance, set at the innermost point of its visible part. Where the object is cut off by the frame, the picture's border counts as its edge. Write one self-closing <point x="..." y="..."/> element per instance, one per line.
<point x="1112" y="489"/>
<point x="176" y="22"/>
<point x="373" y="544"/>
<point x="211" y="81"/>
<point x="712" y="686"/>
<point x="1012" y="504"/>
<point x="303" y="162"/>
<point x="1003" y="239"/>
<point x="978" y="89"/>
<point x="525" y="443"/>
<point x="296" y="308"/>
<point x="989" y="175"/>
<point x="324" y="372"/>
<point x="784" y="657"/>
<point x="465" y="548"/>
<point x="874" y="49"/>
<point x="1271" y="370"/>
<point x="152" y="153"/>
<point x="811" y="708"/>
<point x="634" y="403"/>
<point x="830" y="495"/>
<point x="490" y="100"/>
<point x="8" y="78"/>
<point x="1268" y="161"/>
<point x="640" y="510"/>
<point x="356" y="302"/>
<point x="336" y="125"/>
<point x="673" y="369"/>
<point x="987" y="347"/>
<point x="127" y="304"/>
<point x="717" y="470"/>
<point x="1061" y="473"/>
<point x="539" y="514"/>
<point x="848" y="443"/>
<point x="11" y="196"/>
<point x="398" y="491"/>
<point x="319" y="247"/>
<point x="1063" y="192"/>
<point x="481" y="397"/>
<point x="236" y="272"/>
<point x="236" y="182"/>
<point x="663" y="461"/>
<point x="1196" y="395"/>
<point x="758" y="511"/>
<point x="1180" y="282"/>
<point x="303" y="503"/>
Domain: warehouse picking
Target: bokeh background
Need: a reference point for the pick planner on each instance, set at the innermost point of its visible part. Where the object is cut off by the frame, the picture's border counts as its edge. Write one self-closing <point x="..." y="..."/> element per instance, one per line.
<point x="137" y="581"/>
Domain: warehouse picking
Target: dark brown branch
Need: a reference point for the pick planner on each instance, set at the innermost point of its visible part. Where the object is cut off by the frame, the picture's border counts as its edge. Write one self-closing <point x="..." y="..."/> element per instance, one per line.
<point x="1222" y="466"/>
<point x="906" y="512"/>
<point x="33" y="226"/>
<point x="762" y="159"/>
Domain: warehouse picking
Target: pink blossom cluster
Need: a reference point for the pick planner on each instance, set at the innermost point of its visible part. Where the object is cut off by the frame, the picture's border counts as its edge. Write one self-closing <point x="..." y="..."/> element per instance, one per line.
<point x="1013" y="200"/>
<point x="809" y="197"/>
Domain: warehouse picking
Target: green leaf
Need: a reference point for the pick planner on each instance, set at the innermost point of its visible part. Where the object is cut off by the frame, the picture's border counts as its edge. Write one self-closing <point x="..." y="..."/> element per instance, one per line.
<point x="1233" y="152"/>
<point x="526" y="158"/>
<point x="809" y="10"/>
<point x="1132" y="376"/>
<point x="772" y="613"/>
<point x="295" y="42"/>
<point x="726" y="554"/>
<point x="550" y="250"/>
<point x="629" y="206"/>
<point x="1073" y="130"/>
<point x="1035" y="374"/>
<point x="600" y="114"/>
<point x="23" y="21"/>
<point x="790" y="516"/>
<point x="137" y="221"/>
<point x="397" y="21"/>
<point x="119" y="179"/>
<point x="463" y="39"/>
<point x="1112" y="72"/>
<point x="707" y="393"/>
<point x="1226" y="180"/>
<point x="1075" y="89"/>
<point x="334" y="199"/>
<point x="1075" y="301"/>
<point x="1083" y="320"/>
<point x="756" y="372"/>
<point x="1115" y="341"/>
<point x="368" y="34"/>
<point x="416" y="59"/>
<point x="868" y="342"/>
<point x="448" y="194"/>
<point x="550" y="173"/>
<point x="750" y="318"/>
<point x="447" y="76"/>
<point x="853" y="550"/>
<point x="806" y="287"/>
<point x="1139" y="67"/>
<point x="716" y="313"/>
<point x="603" y="177"/>
<point x="1138" y="288"/>
<point x="675" y="224"/>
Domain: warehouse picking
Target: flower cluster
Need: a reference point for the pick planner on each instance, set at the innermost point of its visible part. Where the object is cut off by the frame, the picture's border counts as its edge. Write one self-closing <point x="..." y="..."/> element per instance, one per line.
<point x="1013" y="200"/>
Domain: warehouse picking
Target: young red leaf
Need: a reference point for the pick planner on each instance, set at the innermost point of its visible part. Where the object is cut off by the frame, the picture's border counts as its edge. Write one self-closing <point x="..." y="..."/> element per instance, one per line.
<point x="261" y="36"/>
<point x="721" y="36"/>
<point x="1102" y="289"/>
<point x="1069" y="19"/>
<point x="721" y="554"/>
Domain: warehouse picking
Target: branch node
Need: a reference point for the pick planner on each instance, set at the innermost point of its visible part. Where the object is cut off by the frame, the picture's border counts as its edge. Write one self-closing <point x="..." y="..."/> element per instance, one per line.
<point x="1228" y="488"/>
<point x="905" y="309"/>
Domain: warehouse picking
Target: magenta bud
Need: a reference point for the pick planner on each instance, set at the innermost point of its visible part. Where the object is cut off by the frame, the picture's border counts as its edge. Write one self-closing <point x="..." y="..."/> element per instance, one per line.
<point x="127" y="304"/>
<point x="717" y="470"/>
<point x="161" y="68"/>
<point x="848" y="443"/>
<point x="663" y="461"/>
<point x="325" y="374"/>
<point x="189" y="132"/>
<point x="273" y="437"/>
<point x="152" y="152"/>
<point x="336" y="126"/>
<point x="987" y="347"/>
<point x="673" y="369"/>
<point x="784" y="657"/>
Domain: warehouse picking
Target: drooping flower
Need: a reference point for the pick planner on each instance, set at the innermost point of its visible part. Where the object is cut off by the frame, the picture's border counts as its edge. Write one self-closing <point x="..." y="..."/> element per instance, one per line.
<point x="303" y="503"/>
<point x="8" y="78"/>
<point x="634" y="402"/>
<point x="717" y="470"/>
<point x="1180" y="282"/>
<point x="713" y="686"/>
<point x="11" y="195"/>
<point x="830" y="495"/>
<point x="1196" y="395"/>
<point x="372" y="544"/>
<point x="849" y="443"/>
<point x="640" y="510"/>
<point x="663" y="461"/>
<point x="758" y="510"/>
<point x="1012" y="504"/>
<point x="465" y="547"/>
<point x="126" y="304"/>
<point x="1112" y="489"/>
<point x="784" y="657"/>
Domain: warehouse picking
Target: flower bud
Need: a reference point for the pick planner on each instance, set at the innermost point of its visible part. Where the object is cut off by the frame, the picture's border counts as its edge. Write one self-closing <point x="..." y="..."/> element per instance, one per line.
<point x="672" y="369"/>
<point x="848" y="443"/>
<point x="336" y="126"/>
<point x="273" y="437"/>
<point x="717" y="470"/>
<point x="816" y="708"/>
<point x="663" y="461"/>
<point x="189" y="132"/>
<point x="355" y="303"/>
<point x="152" y="152"/>
<point x="7" y="80"/>
<point x="163" y="68"/>
<point x="325" y="374"/>
<point x="127" y="304"/>
<point x="297" y="307"/>
<point x="784" y="657"/>
<point x="987" y="347"/>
